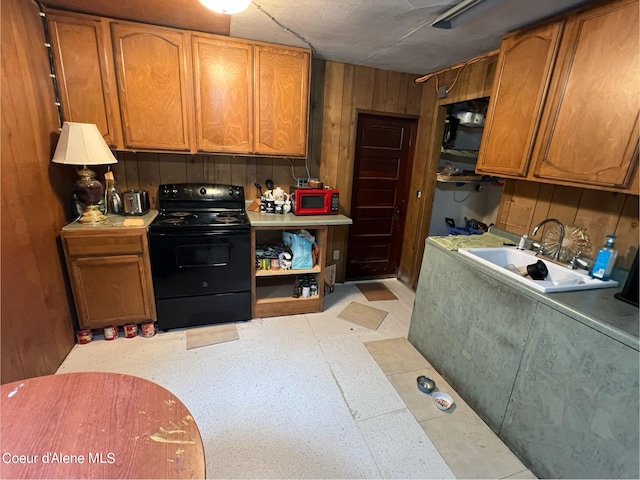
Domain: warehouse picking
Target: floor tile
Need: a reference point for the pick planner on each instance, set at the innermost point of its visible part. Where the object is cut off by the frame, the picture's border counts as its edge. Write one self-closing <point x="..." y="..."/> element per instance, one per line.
<point x="470" y="447"/>
<point x="396" y="355"/>
<point x="401" y="449"/>
<point x="364" y="387"/>
<point x="421" y="404"/>
<point x="298" y="396"/>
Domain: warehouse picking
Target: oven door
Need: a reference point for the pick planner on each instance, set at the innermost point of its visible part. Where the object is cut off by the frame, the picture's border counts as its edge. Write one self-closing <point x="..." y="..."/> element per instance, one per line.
<point x="202" y="263"/>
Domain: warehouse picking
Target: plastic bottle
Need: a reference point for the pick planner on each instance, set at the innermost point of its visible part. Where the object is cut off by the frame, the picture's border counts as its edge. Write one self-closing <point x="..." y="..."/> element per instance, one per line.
<point x="605" y="259"/>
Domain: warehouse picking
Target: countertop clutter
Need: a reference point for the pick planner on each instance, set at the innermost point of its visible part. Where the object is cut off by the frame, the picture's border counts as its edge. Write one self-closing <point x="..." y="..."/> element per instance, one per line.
<point x="260" y="219"/>
<point x="116" y="221"/>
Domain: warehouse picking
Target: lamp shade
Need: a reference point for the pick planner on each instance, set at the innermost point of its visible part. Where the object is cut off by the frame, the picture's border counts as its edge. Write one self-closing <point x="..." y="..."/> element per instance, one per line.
<point x="82" y="144"/>
<point x="226" y="6"/>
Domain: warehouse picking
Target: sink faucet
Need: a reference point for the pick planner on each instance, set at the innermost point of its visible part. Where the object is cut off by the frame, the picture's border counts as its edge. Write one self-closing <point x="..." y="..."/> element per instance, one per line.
<point x="556" y="255"/>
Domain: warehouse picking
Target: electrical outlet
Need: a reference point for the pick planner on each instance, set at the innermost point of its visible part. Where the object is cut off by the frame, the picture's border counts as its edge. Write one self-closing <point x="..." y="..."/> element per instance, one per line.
<point x="336" y="254"/>
<point x="442" y="92"/>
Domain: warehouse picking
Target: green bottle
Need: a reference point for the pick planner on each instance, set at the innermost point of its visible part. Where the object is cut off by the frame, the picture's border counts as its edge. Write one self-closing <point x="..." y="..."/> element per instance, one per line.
<point x="605" y="259"/>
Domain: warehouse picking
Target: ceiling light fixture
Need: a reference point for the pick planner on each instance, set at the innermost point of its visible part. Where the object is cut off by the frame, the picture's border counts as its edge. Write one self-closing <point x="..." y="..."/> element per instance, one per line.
<point x="462" y="12"/>
<point x="226" y="6"/>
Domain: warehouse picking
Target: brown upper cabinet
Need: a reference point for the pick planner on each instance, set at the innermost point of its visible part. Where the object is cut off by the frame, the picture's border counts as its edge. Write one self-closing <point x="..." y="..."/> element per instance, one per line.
<point x="81" y="48"/>
<point x="154" y="88"/>
<point x="575" y="121"/>
<point x="223" y="80"/>
<point x="515" y="107"/>
<point x="282" y="99"/>
<point x="251" y="98"/>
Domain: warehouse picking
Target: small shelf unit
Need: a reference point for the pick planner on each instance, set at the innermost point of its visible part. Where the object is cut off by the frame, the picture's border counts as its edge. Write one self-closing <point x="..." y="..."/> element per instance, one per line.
<point x="272" y="290"/>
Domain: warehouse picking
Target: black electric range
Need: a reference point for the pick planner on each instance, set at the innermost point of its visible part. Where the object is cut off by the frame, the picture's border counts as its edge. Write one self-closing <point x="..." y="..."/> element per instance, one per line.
<point x="201" y="255"/>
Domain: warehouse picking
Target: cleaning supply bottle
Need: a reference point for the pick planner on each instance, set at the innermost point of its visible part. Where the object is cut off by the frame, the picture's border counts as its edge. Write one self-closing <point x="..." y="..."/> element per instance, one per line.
<point x="604" y="260"/>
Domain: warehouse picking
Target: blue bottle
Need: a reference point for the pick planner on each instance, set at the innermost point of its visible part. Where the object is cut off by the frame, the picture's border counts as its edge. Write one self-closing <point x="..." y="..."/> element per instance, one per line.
<point x="605" y="259"/>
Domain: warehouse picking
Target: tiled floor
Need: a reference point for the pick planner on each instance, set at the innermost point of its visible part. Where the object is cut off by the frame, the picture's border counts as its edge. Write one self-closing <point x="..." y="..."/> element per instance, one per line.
<point x="314" y="396"/>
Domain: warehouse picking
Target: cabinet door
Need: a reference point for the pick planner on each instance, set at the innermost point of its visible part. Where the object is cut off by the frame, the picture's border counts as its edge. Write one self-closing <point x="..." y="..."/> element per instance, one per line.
<point x="81" y="49"/>
<point x="519" y="89"/>
<point x="590" y="122"/>
<point x="223" y="77"/>
<point x="111" y="290"/>
<point x="154" y="88"/>
<point x="281" y="100"/>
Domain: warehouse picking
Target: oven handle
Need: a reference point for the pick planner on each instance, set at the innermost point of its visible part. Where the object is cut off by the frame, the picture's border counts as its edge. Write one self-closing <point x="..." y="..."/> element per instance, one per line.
<point x="207" y="265"/>
<point x="197" y="234"/>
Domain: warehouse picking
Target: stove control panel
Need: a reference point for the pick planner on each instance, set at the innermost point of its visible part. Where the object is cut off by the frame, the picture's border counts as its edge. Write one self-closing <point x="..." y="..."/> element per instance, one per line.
<point x="196" y="192"/>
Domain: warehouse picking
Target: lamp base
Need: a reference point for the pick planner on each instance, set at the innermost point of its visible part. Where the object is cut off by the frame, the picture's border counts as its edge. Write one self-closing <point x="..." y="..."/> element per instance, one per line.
<point x="92" y="216"/>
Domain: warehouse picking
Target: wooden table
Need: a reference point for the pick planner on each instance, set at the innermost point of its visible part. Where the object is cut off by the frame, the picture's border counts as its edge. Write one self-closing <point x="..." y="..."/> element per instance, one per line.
<point x="96" y="425"/>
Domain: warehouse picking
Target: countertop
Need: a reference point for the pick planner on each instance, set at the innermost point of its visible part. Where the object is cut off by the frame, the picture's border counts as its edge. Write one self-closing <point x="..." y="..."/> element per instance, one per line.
<point x="260" y="219"/>
<point x="598" y="309"/>
<point x="257" y="219"/>
<point x="117" y="221"/>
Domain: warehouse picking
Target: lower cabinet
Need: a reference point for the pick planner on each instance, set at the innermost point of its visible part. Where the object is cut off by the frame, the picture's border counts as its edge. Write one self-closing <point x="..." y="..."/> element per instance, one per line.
<point x="110" y="276"/>
<point x="272" y="290"/>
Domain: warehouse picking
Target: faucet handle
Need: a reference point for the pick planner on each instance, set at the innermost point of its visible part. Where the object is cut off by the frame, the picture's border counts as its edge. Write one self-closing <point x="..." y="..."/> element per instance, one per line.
<point x="538" y="248"/>
<point x="578" y="262"/>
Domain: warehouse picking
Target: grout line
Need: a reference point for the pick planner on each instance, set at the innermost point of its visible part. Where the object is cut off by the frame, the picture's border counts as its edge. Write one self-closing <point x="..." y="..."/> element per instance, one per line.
<point x="387" y="413"/>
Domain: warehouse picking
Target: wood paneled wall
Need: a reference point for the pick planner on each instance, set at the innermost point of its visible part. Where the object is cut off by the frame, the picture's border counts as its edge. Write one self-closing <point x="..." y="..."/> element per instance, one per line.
<point x="471" y="82"/>
<point x="148" y="170"/>
<point x="349" y="89"/>
<point x="524" y="204"/>
<point x="37" y="328"/>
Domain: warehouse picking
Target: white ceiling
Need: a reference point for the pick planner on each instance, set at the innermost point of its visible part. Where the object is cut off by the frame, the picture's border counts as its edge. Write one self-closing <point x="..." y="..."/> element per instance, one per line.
<point x="388" y="34"/>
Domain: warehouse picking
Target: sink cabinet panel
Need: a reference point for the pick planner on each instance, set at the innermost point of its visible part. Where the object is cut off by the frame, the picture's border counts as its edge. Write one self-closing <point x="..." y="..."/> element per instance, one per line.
<point x="557" y="387"/>
<point x="581" y="390"/>
<point x="459" y="325"/>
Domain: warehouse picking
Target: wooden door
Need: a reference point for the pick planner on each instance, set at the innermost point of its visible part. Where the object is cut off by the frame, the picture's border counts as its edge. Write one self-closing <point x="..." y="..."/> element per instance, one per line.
<point x="223" y="78"/>
<point x="383" y="159"/>
<point x="281" y="100"/>
<point x="591" y="116"/>
<point x="81" y="49"/>
<point x="154" y="86"/>
<point x="519" y="90"/>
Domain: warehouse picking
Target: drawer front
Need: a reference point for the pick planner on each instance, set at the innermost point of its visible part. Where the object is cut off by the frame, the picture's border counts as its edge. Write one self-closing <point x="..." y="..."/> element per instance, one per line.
<point x="82" y="245"/>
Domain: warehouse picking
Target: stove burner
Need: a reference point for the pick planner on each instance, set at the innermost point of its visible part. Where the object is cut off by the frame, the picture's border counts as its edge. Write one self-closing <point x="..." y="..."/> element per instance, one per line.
<point x="181" y="215"/>
<point x="173" y="221"/>
<point x="225" y="219"/>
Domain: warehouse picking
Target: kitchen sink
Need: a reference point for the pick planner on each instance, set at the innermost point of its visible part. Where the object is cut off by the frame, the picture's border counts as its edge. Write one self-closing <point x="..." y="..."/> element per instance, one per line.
<point x="508" y="261"/>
